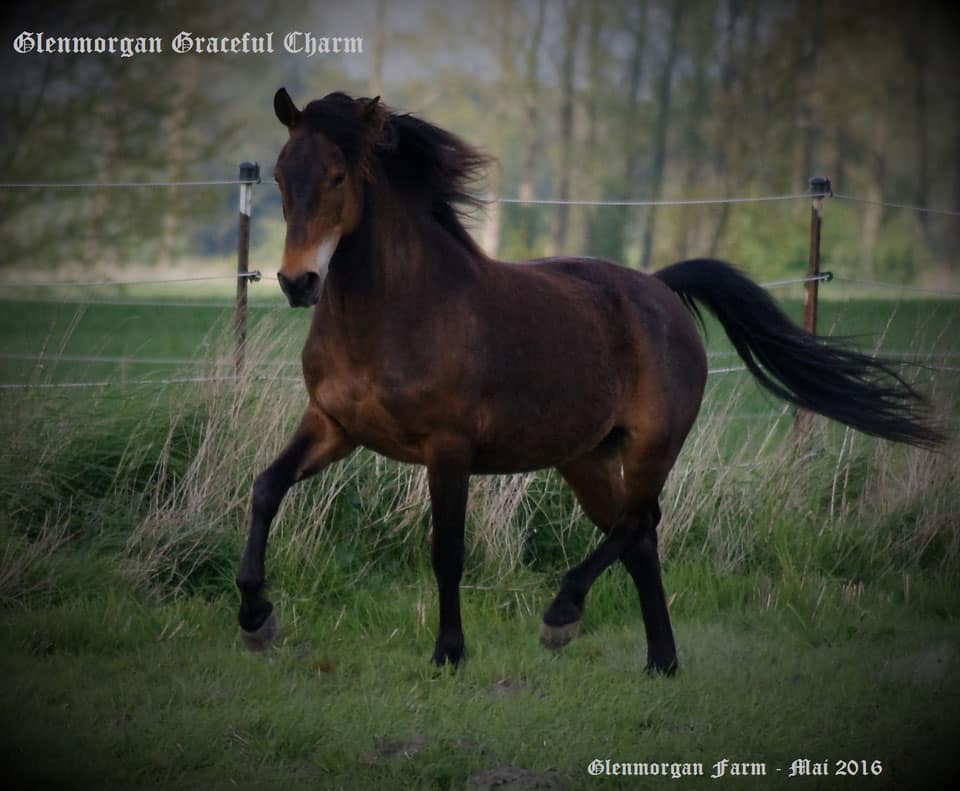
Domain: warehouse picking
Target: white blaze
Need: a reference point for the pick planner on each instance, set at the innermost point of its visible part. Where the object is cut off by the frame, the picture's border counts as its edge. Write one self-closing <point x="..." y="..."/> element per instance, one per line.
<point x="325" y="251"/>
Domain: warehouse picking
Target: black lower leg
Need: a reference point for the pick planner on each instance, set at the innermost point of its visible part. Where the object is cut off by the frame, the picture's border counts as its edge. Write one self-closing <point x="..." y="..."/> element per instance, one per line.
<point x="642" y="561"/>
<point x="567" y="607"/>
<point x="448" y="497"/>
<point x="268" y="492"/>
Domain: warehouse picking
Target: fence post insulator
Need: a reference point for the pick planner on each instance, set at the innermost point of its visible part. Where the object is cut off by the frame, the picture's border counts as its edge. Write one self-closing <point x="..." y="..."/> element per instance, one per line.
<point x="250" y="171"/>
<point x="820" y="185"/>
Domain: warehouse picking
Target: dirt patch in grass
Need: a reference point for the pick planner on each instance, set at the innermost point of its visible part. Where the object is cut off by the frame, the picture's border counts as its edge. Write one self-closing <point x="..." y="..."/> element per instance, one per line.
<point x="514" y="778"/>
<point x="510" y="687"/>
<point x="929" y="666"/>
<point x="395" y="749"/>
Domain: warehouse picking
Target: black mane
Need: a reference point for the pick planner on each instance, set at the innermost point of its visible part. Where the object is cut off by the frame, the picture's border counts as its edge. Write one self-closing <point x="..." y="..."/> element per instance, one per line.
<point x="419" y="159"/>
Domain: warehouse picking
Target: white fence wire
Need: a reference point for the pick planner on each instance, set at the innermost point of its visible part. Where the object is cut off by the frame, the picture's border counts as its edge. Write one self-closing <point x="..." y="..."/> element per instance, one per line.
<point x="256" y="276"/>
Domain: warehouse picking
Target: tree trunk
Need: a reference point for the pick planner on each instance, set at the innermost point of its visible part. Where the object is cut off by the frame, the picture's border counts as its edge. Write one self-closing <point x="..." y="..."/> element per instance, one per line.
<point x="567" y="74"/>
<point x="664" y="89"/>
<point x="93" y="252"/>
<point x="955" y="260"/>
<point x="727" y="115"/>
<point x="809" y="78"/>
<point x="375" y="85"/>
<point x="531" y="142"/>
<point x="696" y="116"/>
<point x="492" y="224"/>
<point x="616" y="231"/>
<point x="873" y="213"/>
<point x="580" y="230"/>
<point x="177" y="128"/>
<point x="917" y="54"/>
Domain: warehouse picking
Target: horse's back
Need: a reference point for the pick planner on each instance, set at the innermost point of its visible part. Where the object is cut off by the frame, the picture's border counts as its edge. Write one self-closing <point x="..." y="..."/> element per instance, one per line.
<point x="602" y="343"/>
<point x="642" y="309"/>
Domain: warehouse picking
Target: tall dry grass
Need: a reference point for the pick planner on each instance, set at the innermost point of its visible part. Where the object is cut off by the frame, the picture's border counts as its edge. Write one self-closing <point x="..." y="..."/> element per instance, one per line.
<point x="25" y="568"/>
<point x="744" y="494"/>
<point x="367" y="503"/>
<point x="170" y="491"/>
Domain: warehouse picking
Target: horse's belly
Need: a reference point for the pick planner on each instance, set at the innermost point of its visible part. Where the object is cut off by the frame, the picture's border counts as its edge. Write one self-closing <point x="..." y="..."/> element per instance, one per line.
<point x="529" y="425"/>
<point x="512" y="439"/>
<point x="508" y="459"/>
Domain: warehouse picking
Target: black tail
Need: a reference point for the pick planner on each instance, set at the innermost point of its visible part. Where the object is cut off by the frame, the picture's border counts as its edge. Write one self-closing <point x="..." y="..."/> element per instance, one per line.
<point x="863" y="392"/>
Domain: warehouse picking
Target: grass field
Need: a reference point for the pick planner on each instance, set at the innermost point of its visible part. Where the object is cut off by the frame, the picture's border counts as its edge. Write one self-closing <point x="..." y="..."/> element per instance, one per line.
<point x="814" y="591"/>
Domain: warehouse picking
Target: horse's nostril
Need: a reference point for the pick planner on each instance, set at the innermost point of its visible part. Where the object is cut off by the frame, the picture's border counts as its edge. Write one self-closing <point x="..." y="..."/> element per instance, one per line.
<point x="302" y="290"/>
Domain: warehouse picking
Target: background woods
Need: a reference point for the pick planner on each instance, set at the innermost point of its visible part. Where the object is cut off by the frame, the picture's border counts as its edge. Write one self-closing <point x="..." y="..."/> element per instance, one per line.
<point x="641" y="99"/>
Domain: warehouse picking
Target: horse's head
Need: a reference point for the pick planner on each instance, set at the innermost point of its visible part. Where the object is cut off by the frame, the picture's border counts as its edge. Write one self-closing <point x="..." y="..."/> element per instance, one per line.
<point x="320" y="172"/>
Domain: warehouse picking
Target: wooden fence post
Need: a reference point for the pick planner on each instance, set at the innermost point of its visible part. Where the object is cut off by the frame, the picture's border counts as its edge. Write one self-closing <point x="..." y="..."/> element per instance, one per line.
<point x="249" y="175"/>
<point x="819" y="188"/>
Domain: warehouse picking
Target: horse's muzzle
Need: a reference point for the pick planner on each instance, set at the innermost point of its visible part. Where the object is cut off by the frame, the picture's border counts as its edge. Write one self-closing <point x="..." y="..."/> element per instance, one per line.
<point x="302" y="291"/>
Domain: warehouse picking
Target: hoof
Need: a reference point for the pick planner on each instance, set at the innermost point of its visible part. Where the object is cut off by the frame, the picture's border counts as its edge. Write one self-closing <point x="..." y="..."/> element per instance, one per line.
<point x="260" y="639"/>
<point x="555" y="637"/>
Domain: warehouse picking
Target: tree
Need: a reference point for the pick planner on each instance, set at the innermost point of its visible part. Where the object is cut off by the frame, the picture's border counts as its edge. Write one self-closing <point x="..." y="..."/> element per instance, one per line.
<point x="504" y="18"/>
<point x="571" y="37"/>
<point x="664" y="93"/>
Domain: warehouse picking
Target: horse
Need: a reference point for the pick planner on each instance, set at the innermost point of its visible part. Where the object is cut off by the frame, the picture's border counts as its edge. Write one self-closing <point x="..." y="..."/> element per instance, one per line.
<point x="428" y="351"/>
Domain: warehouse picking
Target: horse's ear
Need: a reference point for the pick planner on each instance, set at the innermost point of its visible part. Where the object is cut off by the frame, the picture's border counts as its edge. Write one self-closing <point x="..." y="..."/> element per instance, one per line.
<point x="373" y="117"/>
<point x="373" y="120"/>
<point x="285" y="109"/>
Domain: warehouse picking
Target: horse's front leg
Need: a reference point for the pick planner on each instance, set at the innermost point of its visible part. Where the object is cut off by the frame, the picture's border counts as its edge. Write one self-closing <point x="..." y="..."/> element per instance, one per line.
<point x="317" y="442"/>
<point x="448" y="475"/>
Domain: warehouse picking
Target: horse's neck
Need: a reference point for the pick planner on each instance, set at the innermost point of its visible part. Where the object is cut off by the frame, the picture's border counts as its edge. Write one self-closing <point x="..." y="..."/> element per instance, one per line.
<point x="399" y="256"/>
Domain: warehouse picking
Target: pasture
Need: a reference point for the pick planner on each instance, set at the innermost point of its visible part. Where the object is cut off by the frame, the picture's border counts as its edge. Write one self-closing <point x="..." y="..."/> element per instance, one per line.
<point x="813" y="587"/>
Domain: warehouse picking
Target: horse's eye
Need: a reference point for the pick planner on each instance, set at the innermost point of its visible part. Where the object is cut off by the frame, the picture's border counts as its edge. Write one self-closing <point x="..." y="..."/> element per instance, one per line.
<point x="338" y="179"/>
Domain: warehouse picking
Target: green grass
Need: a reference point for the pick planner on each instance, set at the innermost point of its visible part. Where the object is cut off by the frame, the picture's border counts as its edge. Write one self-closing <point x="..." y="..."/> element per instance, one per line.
<point x="813" y="590"/>
<point x="78" y="328"/>
<point x="108" y="690"/>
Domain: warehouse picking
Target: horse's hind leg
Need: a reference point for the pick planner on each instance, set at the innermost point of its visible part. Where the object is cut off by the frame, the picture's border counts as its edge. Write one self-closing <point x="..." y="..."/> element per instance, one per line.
<point x="642" y="561"/>
<point x="317" y="442"/>
<point x="598" y="483"/>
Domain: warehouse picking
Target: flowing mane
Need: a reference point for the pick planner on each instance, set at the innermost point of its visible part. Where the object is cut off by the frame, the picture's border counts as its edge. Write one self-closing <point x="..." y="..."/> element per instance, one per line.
<point x="420" y="160"/>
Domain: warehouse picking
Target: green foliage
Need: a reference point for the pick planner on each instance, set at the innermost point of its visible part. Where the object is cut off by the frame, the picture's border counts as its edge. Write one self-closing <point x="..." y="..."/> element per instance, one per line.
<point x="112" y="690"/>
<point x="162" y="477"/>
<point x="763" y="97"/>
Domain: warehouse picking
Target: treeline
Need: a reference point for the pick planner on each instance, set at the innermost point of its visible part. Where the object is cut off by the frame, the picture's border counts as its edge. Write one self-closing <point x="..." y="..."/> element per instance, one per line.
<point x="655" y="99"/>
<point x="578" y="100"/>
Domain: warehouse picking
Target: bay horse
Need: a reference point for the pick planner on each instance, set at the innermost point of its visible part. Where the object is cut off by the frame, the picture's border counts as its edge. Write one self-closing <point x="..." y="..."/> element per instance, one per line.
<point x="424" y="349"/>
